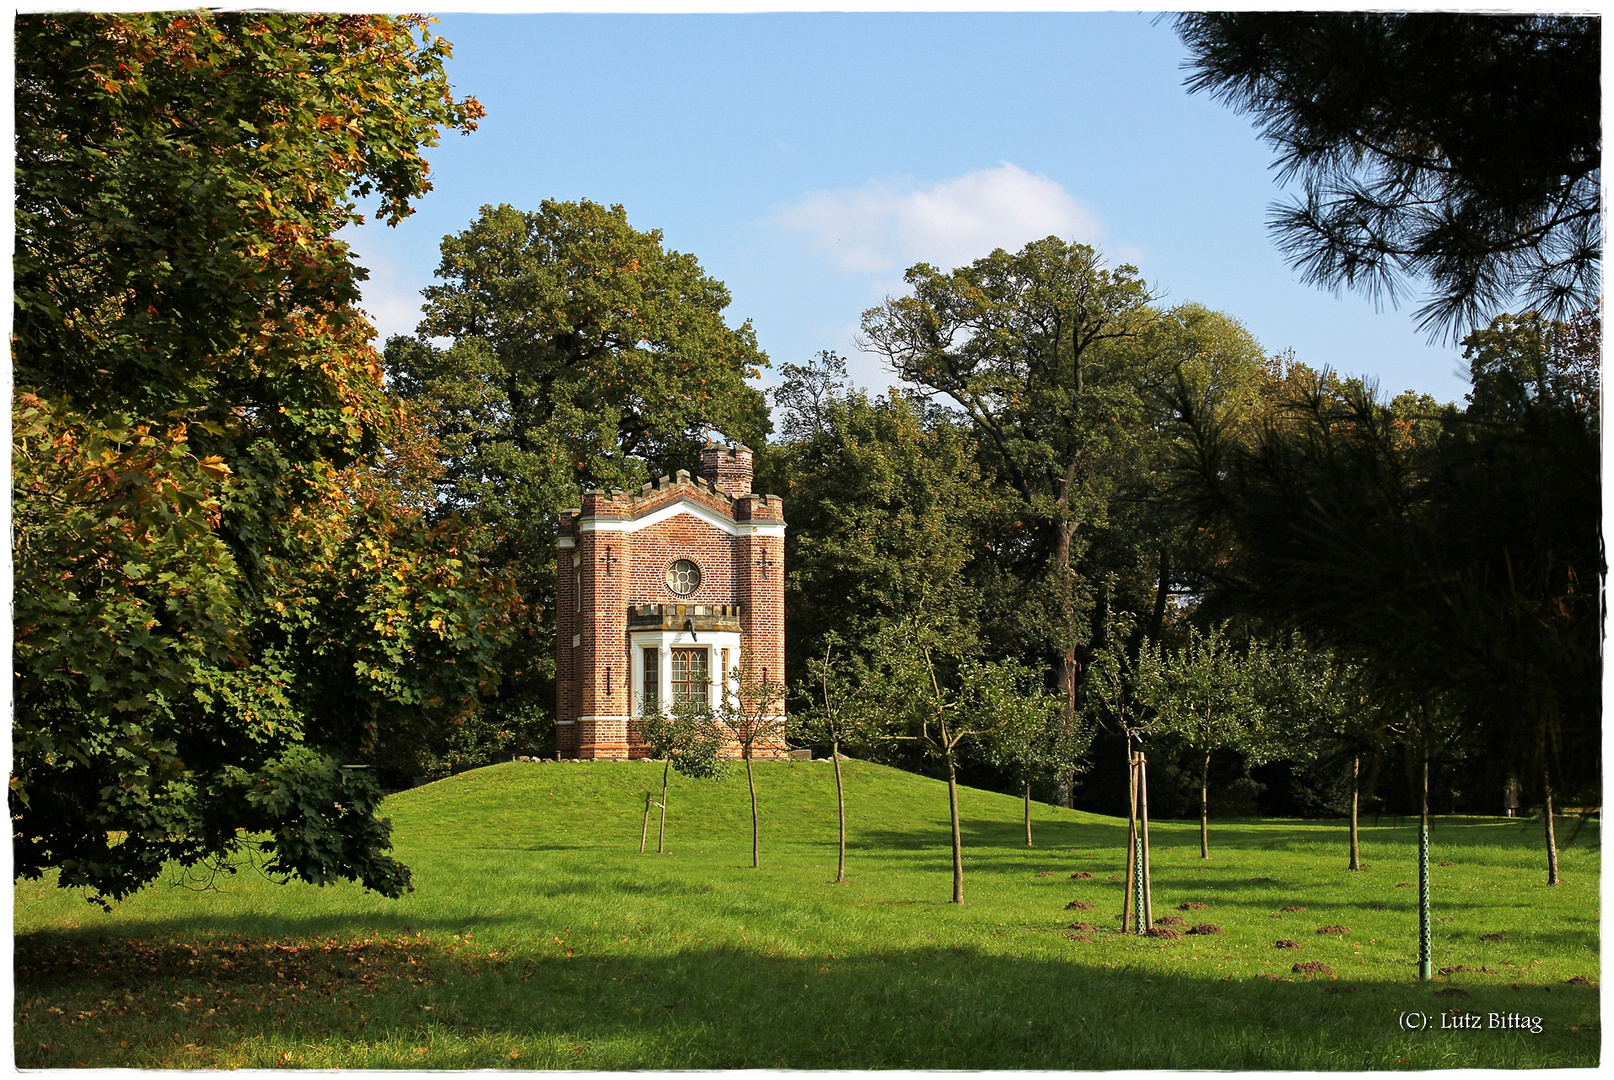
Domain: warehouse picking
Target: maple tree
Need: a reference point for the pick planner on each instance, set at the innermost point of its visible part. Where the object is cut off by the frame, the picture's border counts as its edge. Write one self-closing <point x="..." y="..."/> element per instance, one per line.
<point x="225" y="586"/>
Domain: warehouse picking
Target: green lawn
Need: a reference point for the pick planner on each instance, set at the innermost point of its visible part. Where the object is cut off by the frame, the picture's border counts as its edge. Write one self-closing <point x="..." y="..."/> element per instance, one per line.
<point x="537" y="937"/>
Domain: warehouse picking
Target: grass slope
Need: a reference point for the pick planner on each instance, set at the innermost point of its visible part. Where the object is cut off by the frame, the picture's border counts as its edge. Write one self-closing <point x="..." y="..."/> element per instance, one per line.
<point x="537" y="937"/>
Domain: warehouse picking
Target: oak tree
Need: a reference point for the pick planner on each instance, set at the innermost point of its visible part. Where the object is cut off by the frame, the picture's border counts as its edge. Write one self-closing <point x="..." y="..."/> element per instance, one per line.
<point x="584" y="353"/>
<point x="1023" y="343"/>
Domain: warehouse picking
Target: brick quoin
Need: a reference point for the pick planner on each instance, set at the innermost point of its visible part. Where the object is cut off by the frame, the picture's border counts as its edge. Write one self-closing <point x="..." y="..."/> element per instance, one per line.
<point x="613" y="555"/>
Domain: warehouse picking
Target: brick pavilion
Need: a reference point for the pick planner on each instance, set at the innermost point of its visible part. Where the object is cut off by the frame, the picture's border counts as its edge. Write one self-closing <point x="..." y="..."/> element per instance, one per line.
<point x="661" y="594"/>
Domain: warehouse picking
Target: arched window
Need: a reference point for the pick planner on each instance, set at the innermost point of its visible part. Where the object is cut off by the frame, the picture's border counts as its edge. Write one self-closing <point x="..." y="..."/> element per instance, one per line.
<point x="690" y="679"/>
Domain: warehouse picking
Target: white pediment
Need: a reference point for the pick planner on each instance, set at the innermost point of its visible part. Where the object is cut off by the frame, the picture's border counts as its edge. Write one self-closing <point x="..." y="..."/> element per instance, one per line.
<point x="685" y="505"/>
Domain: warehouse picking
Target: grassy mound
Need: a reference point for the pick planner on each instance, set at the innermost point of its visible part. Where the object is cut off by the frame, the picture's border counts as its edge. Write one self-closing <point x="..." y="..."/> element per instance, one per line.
<point x="538" y="937"/>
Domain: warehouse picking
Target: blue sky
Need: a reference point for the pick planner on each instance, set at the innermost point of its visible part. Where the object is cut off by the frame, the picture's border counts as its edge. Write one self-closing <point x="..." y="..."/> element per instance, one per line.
<point x="807" y="159"/>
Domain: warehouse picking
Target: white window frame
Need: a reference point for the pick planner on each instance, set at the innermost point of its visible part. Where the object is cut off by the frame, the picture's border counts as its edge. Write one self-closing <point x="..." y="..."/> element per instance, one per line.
<point x="664" y="641"/>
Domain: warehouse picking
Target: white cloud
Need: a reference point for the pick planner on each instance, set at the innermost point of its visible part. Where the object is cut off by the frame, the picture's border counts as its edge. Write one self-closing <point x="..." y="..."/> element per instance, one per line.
<point x="393" y="308"/>
<point x="391" y="295"/>
<point x="884" y="226"/>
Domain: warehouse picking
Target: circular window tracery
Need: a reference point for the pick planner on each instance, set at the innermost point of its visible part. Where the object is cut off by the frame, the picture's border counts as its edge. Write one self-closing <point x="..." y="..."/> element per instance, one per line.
<point x="683" y="577"/>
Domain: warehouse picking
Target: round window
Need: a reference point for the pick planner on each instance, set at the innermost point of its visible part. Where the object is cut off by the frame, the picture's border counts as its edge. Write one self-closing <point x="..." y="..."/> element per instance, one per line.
<point x="683" y="577"/>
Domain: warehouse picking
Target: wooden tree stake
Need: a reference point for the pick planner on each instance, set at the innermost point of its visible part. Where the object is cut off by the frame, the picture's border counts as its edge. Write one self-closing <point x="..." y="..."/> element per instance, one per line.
<point x="1128" y="915"/>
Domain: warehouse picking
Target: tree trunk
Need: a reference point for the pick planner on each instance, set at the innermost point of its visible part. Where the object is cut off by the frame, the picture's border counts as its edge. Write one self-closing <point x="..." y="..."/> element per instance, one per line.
<point x="1065" y="666"/>
<point x="1204" y="808"/>
<point x="644" y="832"/>
<point x="661" y="830"/>
<point x="958" y="837"/>
<point x="840" y="803"/>
<point x="1356" y="801"/>
<point x="756" y="858"/>
<point x="1157" y="618"/>
<point x="1425" y="944"/>
<point x="1552" y="836"/>
<point x="1028" y="815"/>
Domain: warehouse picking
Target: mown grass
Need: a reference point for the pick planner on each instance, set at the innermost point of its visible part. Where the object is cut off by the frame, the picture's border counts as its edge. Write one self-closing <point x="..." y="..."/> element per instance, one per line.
<point x="537" y="937"/>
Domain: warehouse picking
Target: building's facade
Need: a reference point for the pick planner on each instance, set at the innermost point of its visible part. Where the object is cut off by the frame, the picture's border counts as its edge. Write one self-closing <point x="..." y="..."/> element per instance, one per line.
<point x="662" y="593"/>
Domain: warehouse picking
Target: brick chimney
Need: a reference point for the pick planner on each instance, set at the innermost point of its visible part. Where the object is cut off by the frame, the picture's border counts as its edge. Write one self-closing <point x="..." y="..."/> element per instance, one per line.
<point x="728" y="467"/>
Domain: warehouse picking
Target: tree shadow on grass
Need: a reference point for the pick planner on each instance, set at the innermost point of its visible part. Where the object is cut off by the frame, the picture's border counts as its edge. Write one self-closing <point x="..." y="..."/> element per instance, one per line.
<point x="414" y="1000"/>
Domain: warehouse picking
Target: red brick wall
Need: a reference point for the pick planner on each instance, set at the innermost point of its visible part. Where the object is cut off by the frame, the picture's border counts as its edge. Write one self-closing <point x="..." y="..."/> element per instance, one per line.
<point x="728" y="468"/>
<point x="602" y="685"/>
<point x="697" y="489"/>
<point x="762" y="590"/>
<point x="682" y="537"/>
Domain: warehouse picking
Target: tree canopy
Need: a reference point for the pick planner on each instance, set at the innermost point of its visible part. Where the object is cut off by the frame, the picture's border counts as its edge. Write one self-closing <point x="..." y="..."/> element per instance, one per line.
<point x="224" y="585"/>
<point x="1449" y="549"/>
<point x="1020" y="342"/>
<point x="584" y="354"/>
<point x="1457" y="149"/>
